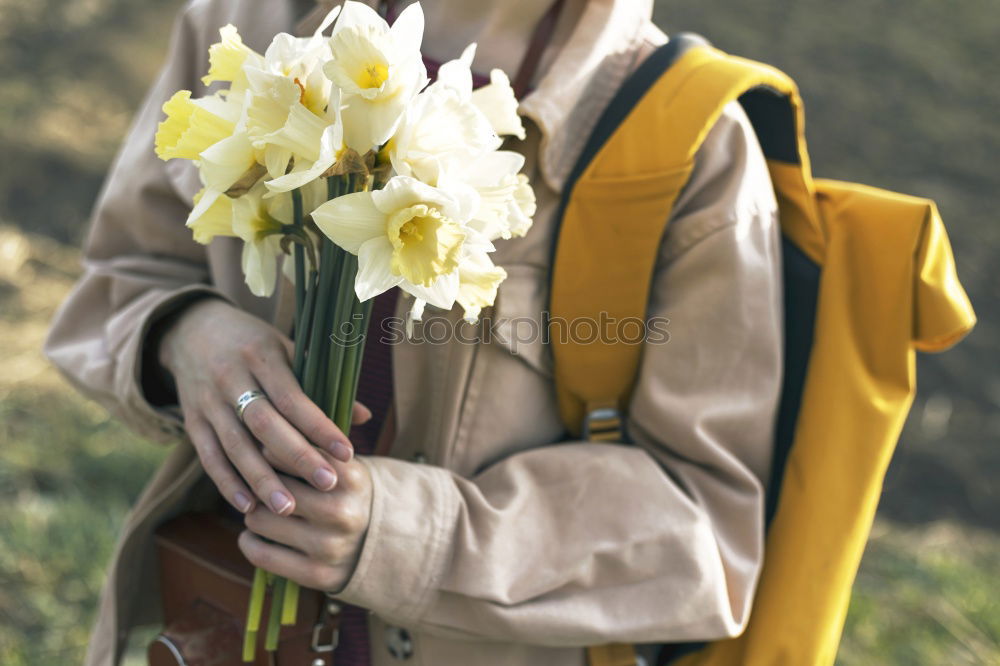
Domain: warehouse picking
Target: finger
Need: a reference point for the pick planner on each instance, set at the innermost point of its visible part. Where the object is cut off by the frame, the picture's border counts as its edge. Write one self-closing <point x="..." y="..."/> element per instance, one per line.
<point x="294" y="532"/>
<point x="288" y="346"/>
<point x="289" y="564"/>
<point x="341" y="511"/>
<point x="217" y="466"/>
<point x="288" y="398"/>
<point x="246" y="458"/>
<point x="360" y="414"/>
<point x="280" y="465"/>
<point x="288" y="445"/>
<point x="348" y="470"/>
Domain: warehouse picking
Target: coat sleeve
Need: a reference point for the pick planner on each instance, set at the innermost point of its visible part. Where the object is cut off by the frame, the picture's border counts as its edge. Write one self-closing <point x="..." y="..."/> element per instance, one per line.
<point x="585" y="543"/>
<point x="139" y="261"/>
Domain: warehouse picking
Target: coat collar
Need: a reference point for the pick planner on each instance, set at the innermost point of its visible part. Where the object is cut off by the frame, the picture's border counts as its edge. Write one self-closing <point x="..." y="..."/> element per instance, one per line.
<point x="600" y="52"/>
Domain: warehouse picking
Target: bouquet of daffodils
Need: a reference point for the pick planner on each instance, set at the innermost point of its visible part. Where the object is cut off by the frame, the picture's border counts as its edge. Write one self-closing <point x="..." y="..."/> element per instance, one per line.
<point x="333" y="159"/>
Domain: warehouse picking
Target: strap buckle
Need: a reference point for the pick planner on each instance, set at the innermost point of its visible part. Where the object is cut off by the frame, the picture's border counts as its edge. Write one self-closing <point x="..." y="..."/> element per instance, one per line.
<point x="316" y="644"/>
<point x="603" y="424"/>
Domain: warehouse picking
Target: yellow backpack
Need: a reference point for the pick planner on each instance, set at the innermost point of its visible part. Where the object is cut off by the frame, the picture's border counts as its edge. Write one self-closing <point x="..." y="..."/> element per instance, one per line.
<point x="869" y="278"/>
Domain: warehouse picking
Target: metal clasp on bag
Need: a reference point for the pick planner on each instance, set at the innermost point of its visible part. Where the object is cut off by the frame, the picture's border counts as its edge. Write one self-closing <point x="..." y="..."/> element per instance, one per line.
<point x="603" y="424"/>
<point x="330" y="608"/>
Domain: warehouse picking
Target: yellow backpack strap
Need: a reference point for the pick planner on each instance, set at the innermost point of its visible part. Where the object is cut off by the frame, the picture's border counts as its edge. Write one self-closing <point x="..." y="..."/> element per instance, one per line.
<point x="614" y="212"/>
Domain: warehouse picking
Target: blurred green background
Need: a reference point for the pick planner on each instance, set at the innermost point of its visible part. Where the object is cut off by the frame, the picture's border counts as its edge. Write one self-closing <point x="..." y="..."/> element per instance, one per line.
<point x="898" y="95"/>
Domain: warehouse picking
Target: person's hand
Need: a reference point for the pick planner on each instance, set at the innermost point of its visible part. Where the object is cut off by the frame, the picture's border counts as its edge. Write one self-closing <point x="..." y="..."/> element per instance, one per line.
<point x="215" y="353"/>
<point x="319" y="545"/>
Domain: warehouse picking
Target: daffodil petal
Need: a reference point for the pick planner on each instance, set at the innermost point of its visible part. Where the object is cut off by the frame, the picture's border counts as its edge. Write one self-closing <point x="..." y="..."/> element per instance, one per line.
<point x="497" y="102"/>
<point x="351" y="220"/>
<point x="227" y="161"/>
<point x="368" y="125"/>
<point x="403" y="191"/>
<point x="330" y="142"/>
<point x="408" y="28"/>
<point x="457" y="74"/>
<point x="189" y="127"/>
<point x="522" y="207"/>
<point x="276" y="159"/>
<point x="441" y="293"/>
<point x="216" y="220"/>
<point x="358" y="14"/>
<point x="374" y="277"/>
<point x="202" y="202"/>
<point x="227" y="57"/>
<point x="327" y="21"/>
<point x="479" y="279"/>
<point x="260" y="267"/>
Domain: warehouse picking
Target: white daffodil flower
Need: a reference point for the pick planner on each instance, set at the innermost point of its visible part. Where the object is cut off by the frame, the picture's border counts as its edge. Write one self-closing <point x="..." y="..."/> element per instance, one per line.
<point x="506" y="200"/>
<point x="261" y="234"/>
<point x="293" y="110"/>
<point x="478" y="280"/>
<point x="259" y="221"/>
<point x="378" y="70"/>
<point x="441" y="130"/>
<point x="497" y="102"/>
<point x="193" y="125"/>
<point x="216" y="220"/>
<point x="440" y="133"/>
<point x="221" y="167"/>
<point x="408" y="234"/>
<point x="523" y="207"/>
<point x="226" y="59"/>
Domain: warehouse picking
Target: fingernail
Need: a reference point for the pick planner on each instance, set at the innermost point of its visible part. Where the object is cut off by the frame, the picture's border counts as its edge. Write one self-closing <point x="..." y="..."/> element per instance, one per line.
<point x="341" y="451"/>
<point x="324" y="478"/>
<point x="243" y="502"/>
<point x="280" y="502"/>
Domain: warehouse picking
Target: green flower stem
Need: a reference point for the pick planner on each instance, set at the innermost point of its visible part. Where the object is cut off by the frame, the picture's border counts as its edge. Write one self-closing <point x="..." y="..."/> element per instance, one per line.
<point x="290" y="603"/>
<point x="274" y="617"/>
<point x="253" y="614"/>
<point x="340" y="327"/>
<point x="303" y="324"/>
<point x="300" y="254"/>
<point x="318" y="337"/>
<point x="347" y="392"/>
<point x="360" y="313"/>
<point x="249" y="646"/>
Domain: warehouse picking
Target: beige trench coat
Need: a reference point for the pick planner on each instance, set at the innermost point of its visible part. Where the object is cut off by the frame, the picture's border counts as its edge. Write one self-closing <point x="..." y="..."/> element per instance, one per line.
<point x="503" y="544"/>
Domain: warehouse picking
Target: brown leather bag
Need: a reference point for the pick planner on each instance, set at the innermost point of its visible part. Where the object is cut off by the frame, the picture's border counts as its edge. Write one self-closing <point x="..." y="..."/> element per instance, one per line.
<point x="205" y="583"/>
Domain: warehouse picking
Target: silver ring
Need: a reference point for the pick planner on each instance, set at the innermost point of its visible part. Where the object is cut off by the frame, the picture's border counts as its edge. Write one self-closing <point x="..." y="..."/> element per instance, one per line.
<point x="245" y="399"/>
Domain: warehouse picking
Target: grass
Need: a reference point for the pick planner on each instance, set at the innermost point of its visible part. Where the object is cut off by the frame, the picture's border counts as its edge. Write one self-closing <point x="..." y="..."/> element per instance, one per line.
<point x="68" y="473"/>
<point x="925" y="596"/>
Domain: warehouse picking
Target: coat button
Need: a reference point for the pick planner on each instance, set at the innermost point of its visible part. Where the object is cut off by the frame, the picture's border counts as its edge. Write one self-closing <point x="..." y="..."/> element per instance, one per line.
<point x="398" y="642"/>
